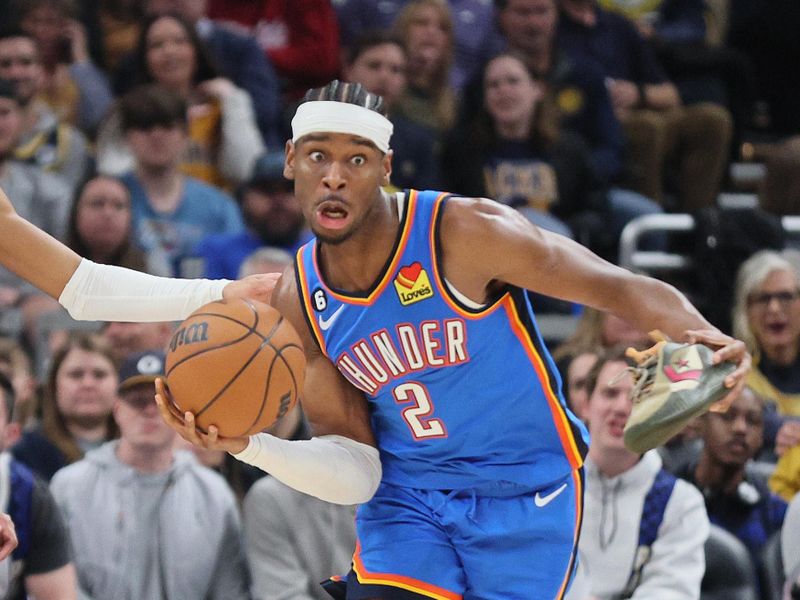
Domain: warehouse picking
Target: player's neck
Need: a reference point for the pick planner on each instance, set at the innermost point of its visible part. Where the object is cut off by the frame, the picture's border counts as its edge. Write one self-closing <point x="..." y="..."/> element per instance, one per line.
<point x="355" y="264"/>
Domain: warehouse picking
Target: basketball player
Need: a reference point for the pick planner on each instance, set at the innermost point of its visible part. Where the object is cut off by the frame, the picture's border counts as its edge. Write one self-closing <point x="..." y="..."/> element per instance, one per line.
<point x="434" y="402"/>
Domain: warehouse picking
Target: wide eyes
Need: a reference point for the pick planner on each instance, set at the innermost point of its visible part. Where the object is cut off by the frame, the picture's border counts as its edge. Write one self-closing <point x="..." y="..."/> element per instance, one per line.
<point x="317" y="157"/>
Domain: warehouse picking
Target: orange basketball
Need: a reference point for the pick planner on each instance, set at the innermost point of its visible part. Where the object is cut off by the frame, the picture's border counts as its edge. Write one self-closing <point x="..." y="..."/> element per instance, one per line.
<point x="236" y="364"/>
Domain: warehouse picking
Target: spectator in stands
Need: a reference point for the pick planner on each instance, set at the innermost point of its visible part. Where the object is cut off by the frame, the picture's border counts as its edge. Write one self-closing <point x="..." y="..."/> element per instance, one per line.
<point x="78" y="397"/>
<point x="294" y="541"/>
<point x="147" y="521"/>
<point x="126" y="338"/>
<point x="643" y="530"/>
<point x="113" y="27"/>
<point x="300" y="37"/>
<point x="238" y="58"/>
<point x="575" y="370"/>
<point x="172" y="212"/>
<point x="660" y="130"/>
<point x="597" y="329"/>
<point x="702" y="71"/>
<point x="224" y="140"/>
<point x="39" y="197"/>
<point x="41" y="566"/>
<point x="100" y="224"/>
<point x="15" y="364"/>
<point x="528" y="28"/>
<point x="790" y="549"/>
<point x="736" y="499"/>
<point x="272" y="217"/>
<point x="515" y="152"/>
<point x="785" y="479"/>
<point x="45" y="140"/>
<point x="265" y="260"/>
<point x="766" y="316"/>
<point x="426" y="29"/>
<point x="377" y="60"/>
<point x="473" y="30"/>
<point x="76" y="90"/>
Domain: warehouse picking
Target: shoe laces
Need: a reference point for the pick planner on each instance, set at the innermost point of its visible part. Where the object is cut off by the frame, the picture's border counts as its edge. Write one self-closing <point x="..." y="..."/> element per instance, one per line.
<point x="643" y="372"/>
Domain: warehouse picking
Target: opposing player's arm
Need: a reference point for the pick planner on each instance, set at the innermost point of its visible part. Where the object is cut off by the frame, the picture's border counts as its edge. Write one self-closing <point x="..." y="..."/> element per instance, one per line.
<point x="105" y="292"/>
<point x="486" y="243"/>
<point x="33" y="254"/>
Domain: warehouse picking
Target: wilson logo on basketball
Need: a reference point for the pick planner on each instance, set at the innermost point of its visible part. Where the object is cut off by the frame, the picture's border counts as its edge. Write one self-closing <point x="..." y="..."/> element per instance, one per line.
<point x="412" y="284"/>
<point x="196" y="332"/>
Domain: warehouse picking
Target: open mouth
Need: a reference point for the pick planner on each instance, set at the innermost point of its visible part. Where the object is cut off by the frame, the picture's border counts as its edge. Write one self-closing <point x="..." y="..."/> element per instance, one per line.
<point x="332" y="215"/>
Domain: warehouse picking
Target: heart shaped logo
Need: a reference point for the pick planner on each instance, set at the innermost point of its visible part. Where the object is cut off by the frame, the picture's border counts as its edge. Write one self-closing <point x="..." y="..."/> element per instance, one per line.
<point x="408" y="275"/>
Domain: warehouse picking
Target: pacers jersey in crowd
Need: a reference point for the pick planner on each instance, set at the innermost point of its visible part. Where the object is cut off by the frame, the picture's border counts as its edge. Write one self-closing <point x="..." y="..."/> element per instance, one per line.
<point x="461" y="396"/>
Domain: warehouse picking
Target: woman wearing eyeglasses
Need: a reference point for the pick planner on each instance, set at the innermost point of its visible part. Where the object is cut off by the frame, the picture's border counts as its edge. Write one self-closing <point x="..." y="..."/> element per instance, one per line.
<point x="766" y="315"/>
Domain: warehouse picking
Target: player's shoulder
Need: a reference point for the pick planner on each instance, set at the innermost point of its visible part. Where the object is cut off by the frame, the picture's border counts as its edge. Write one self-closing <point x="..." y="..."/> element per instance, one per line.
<point x="475" y="217"/>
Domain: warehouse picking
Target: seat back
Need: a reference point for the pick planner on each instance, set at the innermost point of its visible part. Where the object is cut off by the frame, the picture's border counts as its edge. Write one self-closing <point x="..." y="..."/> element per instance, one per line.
<point x="730" y="573"/>
<point x="770" y="568"/>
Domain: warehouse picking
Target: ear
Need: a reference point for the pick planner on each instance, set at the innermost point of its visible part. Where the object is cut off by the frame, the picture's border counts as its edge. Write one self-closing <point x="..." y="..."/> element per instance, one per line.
<point x="387" y="167"/>
<point x="288" y="165"/>
<point x="13" y="433"/>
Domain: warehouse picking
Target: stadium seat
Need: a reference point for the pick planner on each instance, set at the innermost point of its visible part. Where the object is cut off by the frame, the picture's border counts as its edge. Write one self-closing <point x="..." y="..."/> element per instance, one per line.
<point x="730" y="574"/>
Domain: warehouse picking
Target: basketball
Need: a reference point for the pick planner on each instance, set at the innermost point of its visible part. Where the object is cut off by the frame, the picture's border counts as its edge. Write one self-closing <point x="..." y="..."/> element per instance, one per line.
<point x="235" y="364"/>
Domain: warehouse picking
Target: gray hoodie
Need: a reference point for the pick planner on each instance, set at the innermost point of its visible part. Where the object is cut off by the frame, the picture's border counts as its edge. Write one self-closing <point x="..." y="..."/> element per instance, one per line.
<point x="195" y="535"/>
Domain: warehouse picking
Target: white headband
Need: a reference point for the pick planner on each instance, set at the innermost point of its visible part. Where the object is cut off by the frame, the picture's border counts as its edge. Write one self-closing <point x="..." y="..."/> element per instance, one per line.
<point x="321" y="116"/>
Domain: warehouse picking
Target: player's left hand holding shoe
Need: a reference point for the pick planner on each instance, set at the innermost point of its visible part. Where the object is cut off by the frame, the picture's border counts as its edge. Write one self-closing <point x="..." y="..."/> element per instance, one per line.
<point x="675" y="382"/>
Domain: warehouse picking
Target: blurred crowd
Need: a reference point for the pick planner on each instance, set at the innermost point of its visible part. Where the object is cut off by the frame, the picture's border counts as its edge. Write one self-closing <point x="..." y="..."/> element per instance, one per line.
<point x="150" y="134"/>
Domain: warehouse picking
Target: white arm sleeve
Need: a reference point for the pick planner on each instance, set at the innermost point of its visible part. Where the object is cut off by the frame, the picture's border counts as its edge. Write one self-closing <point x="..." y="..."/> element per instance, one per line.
<point x="98" y="292"/>
<point x="330" y="467"/>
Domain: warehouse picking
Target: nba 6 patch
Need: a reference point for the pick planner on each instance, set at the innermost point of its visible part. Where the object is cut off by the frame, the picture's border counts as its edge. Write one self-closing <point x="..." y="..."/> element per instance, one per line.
<point x="412" y="284"/>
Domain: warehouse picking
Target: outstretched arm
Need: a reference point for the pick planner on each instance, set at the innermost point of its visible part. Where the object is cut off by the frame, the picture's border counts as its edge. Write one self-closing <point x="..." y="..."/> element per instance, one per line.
<point x="32" y="254"/>
<point x="103" y="292"/>
<point x="486" y="243"/>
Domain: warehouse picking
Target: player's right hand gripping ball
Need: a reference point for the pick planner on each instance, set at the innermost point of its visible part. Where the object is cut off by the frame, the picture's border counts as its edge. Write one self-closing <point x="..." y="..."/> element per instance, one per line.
<point x="673" y="384"/>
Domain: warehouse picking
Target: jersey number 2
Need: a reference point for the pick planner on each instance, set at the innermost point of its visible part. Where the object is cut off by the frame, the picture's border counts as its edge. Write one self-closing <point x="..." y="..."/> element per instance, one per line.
<point x="416" y="416"/>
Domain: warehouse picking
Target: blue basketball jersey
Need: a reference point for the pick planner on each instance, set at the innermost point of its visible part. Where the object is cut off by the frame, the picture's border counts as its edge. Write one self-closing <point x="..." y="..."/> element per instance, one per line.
<point x="461" y="396"/>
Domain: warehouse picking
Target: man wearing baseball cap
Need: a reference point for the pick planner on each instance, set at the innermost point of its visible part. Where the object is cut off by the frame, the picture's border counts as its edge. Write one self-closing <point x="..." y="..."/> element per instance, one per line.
<point x="133" y="506"/>
<point x="272" y="219"/>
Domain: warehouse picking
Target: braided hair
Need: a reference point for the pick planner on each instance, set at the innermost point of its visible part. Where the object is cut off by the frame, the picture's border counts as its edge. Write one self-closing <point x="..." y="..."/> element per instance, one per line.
<point x="349" y="93"/>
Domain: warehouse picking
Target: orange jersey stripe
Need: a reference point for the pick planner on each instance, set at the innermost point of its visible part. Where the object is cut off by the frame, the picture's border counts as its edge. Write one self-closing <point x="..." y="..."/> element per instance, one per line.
<point x="306" y="299"/>
<point x="557" y="411"/>
<point x="389" y="274"/>
<point x="399" y="581"/>
<point x="576" y="478"/>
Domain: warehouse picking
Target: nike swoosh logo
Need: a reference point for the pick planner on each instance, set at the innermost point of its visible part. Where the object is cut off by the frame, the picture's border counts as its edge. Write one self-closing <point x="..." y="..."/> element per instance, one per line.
<point x="325" y="324"/>
<point x="541" y="501"/>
